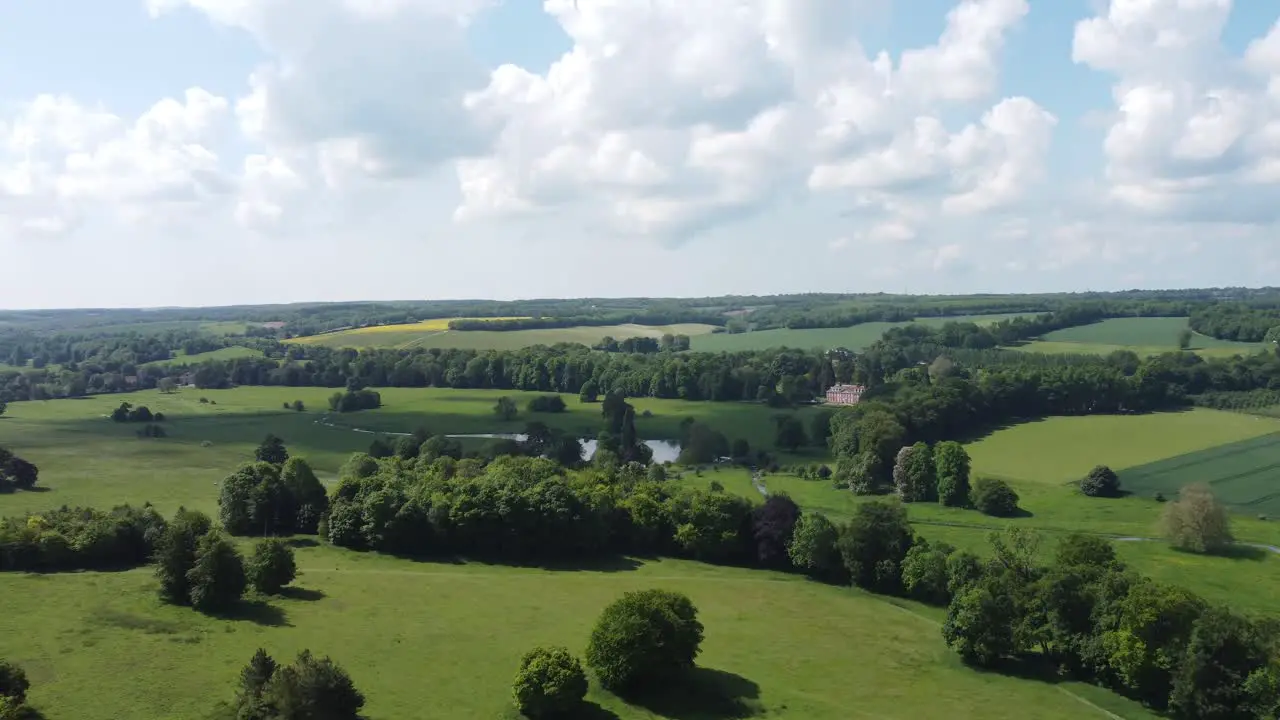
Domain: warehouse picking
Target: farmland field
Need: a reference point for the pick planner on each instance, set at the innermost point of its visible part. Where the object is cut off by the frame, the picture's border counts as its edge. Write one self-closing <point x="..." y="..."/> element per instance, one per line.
<point x="853" y="338"/>
<point x="226" y="353"/>
<point x="436" y="334"/>
<point x="1144" y="335"/>
<point x="1244" y="475"/>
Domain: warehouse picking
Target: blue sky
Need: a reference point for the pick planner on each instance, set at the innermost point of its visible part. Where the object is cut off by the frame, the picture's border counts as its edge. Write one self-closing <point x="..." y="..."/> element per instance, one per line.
<point x="191" y="152"/>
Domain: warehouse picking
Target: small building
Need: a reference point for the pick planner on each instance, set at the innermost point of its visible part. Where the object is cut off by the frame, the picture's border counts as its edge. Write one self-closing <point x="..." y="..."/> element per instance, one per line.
<point x="845" y="394"/>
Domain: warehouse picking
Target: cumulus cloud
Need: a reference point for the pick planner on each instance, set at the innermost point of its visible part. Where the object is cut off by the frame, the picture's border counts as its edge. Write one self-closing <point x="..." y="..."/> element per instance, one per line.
<point x="1196" y="132"/>
<point x="673" y="116"/>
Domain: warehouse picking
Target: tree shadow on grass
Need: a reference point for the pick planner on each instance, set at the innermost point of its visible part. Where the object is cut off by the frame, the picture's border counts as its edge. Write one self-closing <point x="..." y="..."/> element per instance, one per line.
<point x="303" y="542"/>
<point x="701" y="694"/>
<point x="1234" y="551"/>
<point x="591" y="711"/>
<point x="255" y="611"/>
<point x="298" y="593"/>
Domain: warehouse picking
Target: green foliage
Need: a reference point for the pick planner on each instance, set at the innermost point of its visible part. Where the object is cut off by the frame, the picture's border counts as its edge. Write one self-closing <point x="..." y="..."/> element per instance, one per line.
<point x="952" y="468"/>
<point x="645" y="637"/>
<point x="1101" y="481"/>
<point x="16" y="472"/>
<point x="1082" y="551"/>
<point x="1212" y="678"/>
<point x="710" y="525"/>
<point x="79" y="539"/>
<point x="550" y="683"/>
<point x="813" y="547"/>
<point x="506" y="409"/>
<point x="546" y="404"/>
<point x="1196" y="521"/>
<point x="1149" y="638"/>
<point x="13" y="682"/>
<point x="980" y="624"/>
<point x="993" y="496"/>
<point x="789" y="433"/>
<point x="272" y="566"/>
<point x="874" y="544"/>
<point x="305" y="494"/>
<point x="355" y="400"/>
<point x="175" y="554"/>
<point x="863" y="473"/>
<point x="253" y="701"/>
<point x="915" y="474"/>
<point x="272" y="450"/>
<point x="924" y="572"/>
<point x="309" y="689"/>
<point x="217" y="578"/>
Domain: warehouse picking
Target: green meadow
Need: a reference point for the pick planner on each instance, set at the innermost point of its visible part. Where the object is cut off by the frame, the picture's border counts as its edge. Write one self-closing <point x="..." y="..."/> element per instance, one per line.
<point x="442" y="640"/>
<point x="431" y="336"/>
<point x="1143" y="335"/>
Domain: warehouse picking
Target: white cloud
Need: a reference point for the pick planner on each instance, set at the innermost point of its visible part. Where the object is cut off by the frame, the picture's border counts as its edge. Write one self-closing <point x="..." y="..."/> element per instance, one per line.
<point x="1196" y="135"/>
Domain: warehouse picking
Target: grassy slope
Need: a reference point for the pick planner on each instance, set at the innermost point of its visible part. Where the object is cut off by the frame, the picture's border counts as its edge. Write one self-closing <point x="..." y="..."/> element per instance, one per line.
<point x="226" y="353"/>
<point x="429" y="335"/>
<point x="853" y="338"/>
<point x="443" y="641"/>
<point x="1147" y="336"/>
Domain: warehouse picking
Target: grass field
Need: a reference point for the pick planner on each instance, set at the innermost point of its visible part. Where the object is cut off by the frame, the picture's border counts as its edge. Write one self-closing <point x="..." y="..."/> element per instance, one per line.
<point x="226" y="353"/>
<point x="436" y="334"/>
<point x="1244" y="474"/>
<point x="1145" y="336"/>
<point x="853" y="338"/>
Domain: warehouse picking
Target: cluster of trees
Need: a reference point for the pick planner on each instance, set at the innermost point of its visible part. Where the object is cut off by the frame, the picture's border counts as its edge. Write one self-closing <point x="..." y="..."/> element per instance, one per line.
<point x="310" y="688"/>
<point x="128" y="413"/>
<point x="668" y="343"/>
<point x="1237" y="321"/>
<point x="265" y="498"/>
<point x="79" y="539"/>
<point x="546" y="404"/>
<point x="354" y="400"/>
<point x="16" y="473"/>
<point x="197" y="566"/>
<point x="642" y="640"/>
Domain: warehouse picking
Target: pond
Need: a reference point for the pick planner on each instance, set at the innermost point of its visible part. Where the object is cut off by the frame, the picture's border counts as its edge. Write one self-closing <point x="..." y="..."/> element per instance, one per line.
<point x="663" y="450"/>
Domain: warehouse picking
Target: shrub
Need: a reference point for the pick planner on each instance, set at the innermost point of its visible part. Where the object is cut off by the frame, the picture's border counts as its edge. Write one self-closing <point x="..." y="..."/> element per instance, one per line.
<point x="1101" y="481"/>
<point x="1196" y="521"/>
<point x="272" y="566"/>
<point x="646" y="635"/>
<point x="546" y="404"/>
<point x="549" y="683"/>
<point x="992" y="496"/>
<point x="13" y="682"/>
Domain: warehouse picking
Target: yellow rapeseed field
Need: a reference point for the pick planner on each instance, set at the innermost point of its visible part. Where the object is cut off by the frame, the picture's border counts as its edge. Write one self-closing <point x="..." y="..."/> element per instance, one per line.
<point x="432" y="325"/>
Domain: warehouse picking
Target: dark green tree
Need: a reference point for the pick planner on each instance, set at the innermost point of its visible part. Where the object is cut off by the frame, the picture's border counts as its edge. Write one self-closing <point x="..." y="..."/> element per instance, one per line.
<point x="506" y="408"/>
<point x="1101" y="481"/>
<point x="13" y="682"/>
<point x="271" y="566"/>
<point x="874" y="544"/>
<point x="175" y="554"/>
<point x="307" y="497"/>
<point x="993" y="496"/>
<point x="952" y="463"/>
<point x="272" y="450"/>
<point x="312" y="689"/>
<point x="217" y="579"/>
<point x="644" y="637"/>
<point x="788" y="433"/>
<point x="253" y="701"/>
<point x="813" y="547"/>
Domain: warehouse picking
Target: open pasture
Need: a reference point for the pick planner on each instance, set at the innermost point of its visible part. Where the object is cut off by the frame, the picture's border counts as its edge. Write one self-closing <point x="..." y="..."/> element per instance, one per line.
<point x="443" y="641"/>
<point x="852" y="338"/>
<point x="436" y="334"/>
<point x="1244" y="475"/>
<point x="226" y="353"/>
<point x="1142" y="335"/>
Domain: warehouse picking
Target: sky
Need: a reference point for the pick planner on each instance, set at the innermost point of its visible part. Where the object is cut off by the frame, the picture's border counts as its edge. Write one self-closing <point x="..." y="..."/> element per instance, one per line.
<point x="214" y="152"/>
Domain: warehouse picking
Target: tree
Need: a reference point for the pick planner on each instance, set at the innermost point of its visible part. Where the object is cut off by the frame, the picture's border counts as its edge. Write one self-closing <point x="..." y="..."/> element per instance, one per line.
<point x="549" y="683"/>
<point x="874" y="544"/>
<point x="992" y="496"/>
<point x="1184" y="339"/>
<point x="820" y="428"/>
<point x="914" y="474"/>
<point x="589" y="392"/>
<point x="312" y="689"/>
<point x="217" y="579"/>
<point x="1101" y="481"/>
<point x="952" y="469"/>
<point x="272" y="450"/>
<point x="381" y="448"/>
<point x="272" y="566"/>
<point x="1196" y="521"/>
<point x="740" y="450"/>
<point x="254" y="500"/>
<point x="306" y="495"/>
<point x="166" y="385"/>
<point x="1081" y="551"/>
<point x="924" y="572"/>
<point x="16" y="471"/>
<point x="506" y="408"/>
<point x="813" y="547"/>
<point x="980" y="624"/>
<point x="13" y="682"/>
<point x="298" y="406"/>
<point x="252" y="702"/>
<point x="773" y="523"/>
<point x="1211" y="681"/>
<point x="645" y="636"/>
<point x="863" y="473"/>
<point x="788" y="433"/>
<point x="1152" y="626"/>
<point x="175" y="554"/>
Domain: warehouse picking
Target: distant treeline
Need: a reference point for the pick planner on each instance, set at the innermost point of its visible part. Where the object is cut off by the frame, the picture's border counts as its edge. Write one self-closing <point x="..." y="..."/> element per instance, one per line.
<point x="1234" y="321"/>
<point x="658" y="317"/>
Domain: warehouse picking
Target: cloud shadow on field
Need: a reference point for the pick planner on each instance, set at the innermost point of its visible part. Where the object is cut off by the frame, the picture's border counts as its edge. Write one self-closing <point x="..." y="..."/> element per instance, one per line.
<point x="702" y="694"/>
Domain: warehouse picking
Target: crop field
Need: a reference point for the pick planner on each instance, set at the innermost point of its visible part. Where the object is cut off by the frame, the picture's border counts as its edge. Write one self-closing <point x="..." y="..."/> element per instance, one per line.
<point x="853" y="338"/>
<point x="226" y="353"/>
<point x="1244" y="474"/>
<point x="1145" y="336"/>
<point x="436" y="334"/>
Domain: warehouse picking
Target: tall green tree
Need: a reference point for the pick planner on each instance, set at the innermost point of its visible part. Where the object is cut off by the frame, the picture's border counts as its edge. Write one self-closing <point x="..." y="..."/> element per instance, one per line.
<point x="874" y="543"/>
<point x="952" y="470"/>
<point x="175" y="554"/>
<point x="217" y="579"/>
<point x="914" y="474"/>
<point x="272" y="450"/>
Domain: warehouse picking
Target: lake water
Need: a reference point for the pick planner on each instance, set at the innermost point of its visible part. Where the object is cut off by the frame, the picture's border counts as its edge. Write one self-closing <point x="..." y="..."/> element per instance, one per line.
<point x="663" y="450"/>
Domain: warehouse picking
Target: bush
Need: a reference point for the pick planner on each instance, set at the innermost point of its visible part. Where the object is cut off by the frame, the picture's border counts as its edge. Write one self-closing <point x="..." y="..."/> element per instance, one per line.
<point x="1196" y="521"/>
<point x="13" y="682"/>
<point x="1101" y="481"/>
<point x="546" y="404"/>
<point x="550" y="683"/>
<point x="992" y="496"/>
<point x="272" y="566"/>
<point x="644" y="636"/>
